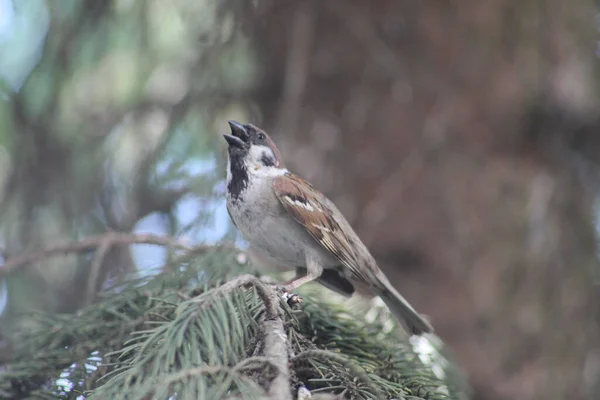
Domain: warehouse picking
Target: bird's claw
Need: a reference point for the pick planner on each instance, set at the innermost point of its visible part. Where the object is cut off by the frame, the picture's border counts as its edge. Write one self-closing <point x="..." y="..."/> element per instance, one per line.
<point x="291" y="299"/>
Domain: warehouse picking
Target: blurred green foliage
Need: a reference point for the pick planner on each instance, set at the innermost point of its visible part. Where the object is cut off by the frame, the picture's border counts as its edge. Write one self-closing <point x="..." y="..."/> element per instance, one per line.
<point x="109" y="122"/>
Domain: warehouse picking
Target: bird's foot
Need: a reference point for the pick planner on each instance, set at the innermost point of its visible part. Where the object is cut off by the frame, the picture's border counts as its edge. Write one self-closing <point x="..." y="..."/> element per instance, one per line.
<point x="291" y="299"/>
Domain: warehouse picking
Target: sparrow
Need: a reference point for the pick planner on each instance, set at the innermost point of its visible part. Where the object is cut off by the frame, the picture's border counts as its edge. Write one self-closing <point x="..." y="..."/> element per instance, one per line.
<point x="290" y="224"/>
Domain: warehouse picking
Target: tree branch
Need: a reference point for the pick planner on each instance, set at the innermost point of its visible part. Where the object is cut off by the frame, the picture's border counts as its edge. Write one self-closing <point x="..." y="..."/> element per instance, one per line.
<point x="95" y="270"/>
<point x="271" y="325"/>
<point x="92" y="243"/>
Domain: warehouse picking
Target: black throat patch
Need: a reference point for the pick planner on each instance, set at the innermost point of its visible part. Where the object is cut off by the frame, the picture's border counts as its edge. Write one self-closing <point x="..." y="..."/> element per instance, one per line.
<point x="239" y="176"/>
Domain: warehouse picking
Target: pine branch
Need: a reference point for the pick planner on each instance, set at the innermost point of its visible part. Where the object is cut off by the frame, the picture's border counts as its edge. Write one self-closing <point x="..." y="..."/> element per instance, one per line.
<point x="197" y="332"/>
<point x="329" y="356"/>
<point x="271" y="327"/>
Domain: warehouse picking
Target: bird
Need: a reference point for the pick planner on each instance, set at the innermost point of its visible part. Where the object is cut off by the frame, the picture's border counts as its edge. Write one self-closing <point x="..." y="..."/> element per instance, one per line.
<point x="290" y="224"/>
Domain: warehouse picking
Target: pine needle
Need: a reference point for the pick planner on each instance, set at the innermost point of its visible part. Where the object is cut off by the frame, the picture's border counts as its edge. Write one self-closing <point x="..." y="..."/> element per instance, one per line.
<point x="193" y="333"/>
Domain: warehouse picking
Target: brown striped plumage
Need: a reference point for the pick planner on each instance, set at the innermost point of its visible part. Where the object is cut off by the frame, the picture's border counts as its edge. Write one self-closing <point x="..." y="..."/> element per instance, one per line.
<point x="286" y="220"/>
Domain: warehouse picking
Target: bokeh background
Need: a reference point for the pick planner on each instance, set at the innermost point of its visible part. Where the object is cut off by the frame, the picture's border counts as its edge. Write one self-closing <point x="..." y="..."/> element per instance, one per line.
<point x="460" y="138"/>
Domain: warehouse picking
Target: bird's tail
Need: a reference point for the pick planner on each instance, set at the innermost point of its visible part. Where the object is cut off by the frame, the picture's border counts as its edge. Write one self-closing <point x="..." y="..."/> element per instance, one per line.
<point x="411" y="320"/>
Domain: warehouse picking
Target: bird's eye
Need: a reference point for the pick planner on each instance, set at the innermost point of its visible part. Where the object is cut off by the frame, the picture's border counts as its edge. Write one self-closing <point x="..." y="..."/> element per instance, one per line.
<point x="261" y="136"/>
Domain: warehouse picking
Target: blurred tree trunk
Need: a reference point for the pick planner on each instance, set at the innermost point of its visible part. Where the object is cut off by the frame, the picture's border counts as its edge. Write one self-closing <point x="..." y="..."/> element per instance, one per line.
<point x="457" y="138"/>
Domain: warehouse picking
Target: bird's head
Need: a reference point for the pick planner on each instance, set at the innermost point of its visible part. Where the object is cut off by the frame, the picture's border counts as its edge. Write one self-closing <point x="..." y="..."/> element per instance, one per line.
<point x="252" y="148"/>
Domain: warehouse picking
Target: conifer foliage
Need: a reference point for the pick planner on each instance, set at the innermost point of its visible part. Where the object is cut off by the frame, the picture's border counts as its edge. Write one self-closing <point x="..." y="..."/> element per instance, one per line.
<point x="203" y="329"/>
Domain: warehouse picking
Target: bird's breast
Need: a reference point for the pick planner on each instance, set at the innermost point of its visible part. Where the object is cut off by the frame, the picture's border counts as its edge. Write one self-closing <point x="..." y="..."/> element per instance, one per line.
<point x="268" y="228"/>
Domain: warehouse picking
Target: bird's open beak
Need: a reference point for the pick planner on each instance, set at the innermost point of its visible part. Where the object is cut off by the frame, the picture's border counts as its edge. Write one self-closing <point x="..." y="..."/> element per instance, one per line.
<point x="234" y="141"/>
<point x="238" y="130"/>
<point x="238" y="136"/>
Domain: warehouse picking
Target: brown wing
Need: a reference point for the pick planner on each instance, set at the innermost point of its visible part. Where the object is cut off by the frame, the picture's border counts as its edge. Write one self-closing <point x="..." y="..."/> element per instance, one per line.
<point x="329" y="228"/>
<point x="314" y="212"/>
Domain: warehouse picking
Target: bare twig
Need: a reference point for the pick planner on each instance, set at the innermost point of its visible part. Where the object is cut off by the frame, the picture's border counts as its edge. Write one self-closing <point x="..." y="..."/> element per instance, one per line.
<point x="92" y="243"/>
<point x="95" y="270"/>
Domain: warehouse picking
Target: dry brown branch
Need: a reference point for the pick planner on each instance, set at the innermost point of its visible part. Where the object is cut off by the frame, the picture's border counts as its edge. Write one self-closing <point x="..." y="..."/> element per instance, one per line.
<point x="93" y="243"/>
<point x="95" y="270"/>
